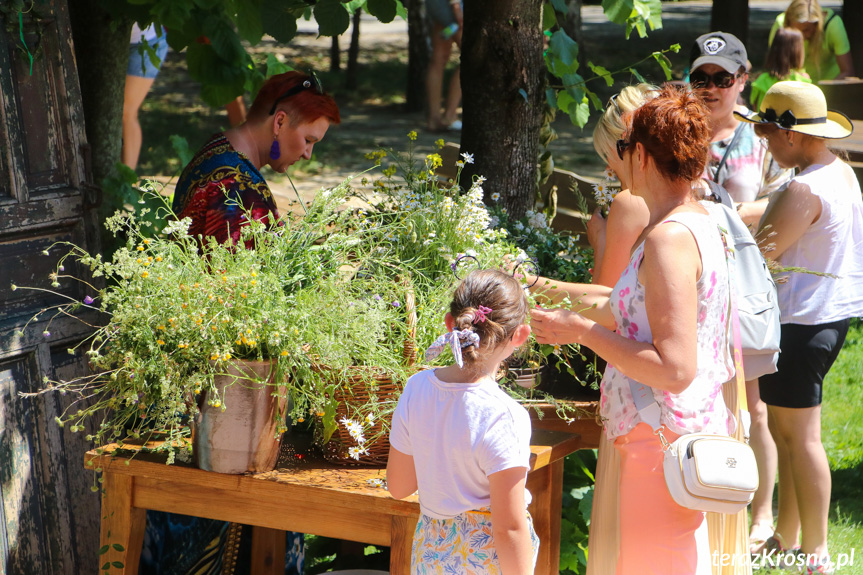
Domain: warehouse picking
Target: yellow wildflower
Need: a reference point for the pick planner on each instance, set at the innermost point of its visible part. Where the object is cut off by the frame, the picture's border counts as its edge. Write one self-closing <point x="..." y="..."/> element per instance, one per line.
<point x="412" y="135"/>
<point x="144" y="274"/>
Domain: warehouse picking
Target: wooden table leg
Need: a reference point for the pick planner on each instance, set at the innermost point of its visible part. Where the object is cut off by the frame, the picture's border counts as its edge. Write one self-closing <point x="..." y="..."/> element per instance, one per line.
<point x="122" y="526"/>
<point x="401" y="538"/>
<point x="546" y="488"/>
<point x="268" y="551"/>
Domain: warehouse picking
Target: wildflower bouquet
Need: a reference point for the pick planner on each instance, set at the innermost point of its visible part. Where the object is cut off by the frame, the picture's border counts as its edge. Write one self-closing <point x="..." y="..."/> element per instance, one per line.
<point x="173" y="317"/>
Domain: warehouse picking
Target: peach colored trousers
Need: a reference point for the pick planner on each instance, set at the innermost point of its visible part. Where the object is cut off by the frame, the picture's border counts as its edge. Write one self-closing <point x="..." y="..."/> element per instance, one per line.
<point x="657" y="536"/>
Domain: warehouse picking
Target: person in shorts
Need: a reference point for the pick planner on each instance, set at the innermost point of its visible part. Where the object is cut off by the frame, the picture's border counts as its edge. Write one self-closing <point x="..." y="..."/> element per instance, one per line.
<point x="145" y="46"/>
<point x="816" y="224"/>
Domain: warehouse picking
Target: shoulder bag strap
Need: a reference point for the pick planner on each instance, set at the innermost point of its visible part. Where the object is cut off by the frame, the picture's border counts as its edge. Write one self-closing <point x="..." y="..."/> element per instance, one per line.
<point x="737" y="131"/>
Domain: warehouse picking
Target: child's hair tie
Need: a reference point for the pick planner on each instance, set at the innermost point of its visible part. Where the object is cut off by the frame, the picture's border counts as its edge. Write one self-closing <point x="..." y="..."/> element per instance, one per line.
<point x="457" y="339"/>
<point x="481" y="313"/>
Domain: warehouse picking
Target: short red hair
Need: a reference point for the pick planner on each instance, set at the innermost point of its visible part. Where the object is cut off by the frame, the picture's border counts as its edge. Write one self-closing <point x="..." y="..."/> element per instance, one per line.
<point x="674" y="129"/>
<point x="303" y="107"/>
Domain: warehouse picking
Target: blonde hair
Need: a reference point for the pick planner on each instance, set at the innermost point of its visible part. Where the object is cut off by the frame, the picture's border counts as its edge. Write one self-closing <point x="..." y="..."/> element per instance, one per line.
<point x="808" y="11"/>
<point x="611" y="127"/>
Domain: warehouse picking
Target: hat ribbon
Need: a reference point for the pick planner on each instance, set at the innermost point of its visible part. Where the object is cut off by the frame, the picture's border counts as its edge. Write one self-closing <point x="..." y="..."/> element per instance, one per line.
<point x="788" y="120"/>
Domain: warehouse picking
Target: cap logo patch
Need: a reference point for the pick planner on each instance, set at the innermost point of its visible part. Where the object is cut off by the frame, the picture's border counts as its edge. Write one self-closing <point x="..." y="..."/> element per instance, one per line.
<point x="714" y="45"/>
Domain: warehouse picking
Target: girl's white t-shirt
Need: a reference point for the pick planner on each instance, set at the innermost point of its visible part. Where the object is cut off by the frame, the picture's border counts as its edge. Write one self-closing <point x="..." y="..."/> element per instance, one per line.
<point x="458" y="435"/>
<point x="832" y="244"/>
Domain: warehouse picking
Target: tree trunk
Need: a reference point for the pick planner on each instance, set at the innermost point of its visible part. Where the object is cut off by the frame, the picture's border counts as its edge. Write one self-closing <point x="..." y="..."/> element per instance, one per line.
<point x="102" y="54"/>
<point x="419" y="52"/>
<point x="852" y="16"/>
<point x="353" y="53"/>
<point x="335" y="55"/>
<point x="503" y="89"/>
<point x="731" y="16"/>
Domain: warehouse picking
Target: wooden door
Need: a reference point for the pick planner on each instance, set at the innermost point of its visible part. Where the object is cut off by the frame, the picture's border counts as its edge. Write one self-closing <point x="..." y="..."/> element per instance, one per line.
<point x="49" y="517"/>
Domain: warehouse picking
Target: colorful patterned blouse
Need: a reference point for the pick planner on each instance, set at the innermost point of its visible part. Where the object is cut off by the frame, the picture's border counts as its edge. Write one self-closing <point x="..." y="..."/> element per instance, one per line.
<point x="700" y="407"/>
<point x="216" y="189"/>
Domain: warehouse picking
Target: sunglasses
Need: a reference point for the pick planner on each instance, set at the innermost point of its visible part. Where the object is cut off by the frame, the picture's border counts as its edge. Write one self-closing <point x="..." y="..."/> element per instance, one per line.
<point x="721" y="79"/>
<point x="312" y="82"/>
<point x="622" y="146"/>
<point x="613" y="102"/>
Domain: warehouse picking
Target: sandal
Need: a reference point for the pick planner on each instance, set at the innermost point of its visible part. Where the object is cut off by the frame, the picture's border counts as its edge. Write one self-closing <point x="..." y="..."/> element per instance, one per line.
<point x="758" y="536"/>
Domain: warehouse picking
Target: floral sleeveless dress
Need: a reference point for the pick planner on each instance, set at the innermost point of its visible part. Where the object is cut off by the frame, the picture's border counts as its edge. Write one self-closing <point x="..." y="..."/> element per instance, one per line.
<point x="700" y="407"/>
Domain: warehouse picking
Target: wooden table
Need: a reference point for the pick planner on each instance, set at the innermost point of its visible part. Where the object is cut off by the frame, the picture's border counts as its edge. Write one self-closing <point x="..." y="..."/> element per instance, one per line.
<point x="314" y="497"/>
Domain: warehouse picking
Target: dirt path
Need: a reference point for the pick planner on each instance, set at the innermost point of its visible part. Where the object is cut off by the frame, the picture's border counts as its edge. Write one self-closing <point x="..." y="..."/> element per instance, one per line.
<point x="371" y="125"/>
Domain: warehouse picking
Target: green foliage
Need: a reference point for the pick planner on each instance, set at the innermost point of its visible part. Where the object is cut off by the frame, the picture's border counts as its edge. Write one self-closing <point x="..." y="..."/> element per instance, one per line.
<point x="578" y="484"/>
<point x="572" y="95"/>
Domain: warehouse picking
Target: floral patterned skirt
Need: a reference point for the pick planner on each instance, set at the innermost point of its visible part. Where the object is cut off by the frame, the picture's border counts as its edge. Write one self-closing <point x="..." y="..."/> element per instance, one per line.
<point x="463" y="545"/>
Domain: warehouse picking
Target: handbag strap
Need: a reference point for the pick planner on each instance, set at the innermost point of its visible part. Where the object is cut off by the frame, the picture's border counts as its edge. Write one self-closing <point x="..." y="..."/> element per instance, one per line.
<point x="737" y="131"/>
<point x="642" y="395"/>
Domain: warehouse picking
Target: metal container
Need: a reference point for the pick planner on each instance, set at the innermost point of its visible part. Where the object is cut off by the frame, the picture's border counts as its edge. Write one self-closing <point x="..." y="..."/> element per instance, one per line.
<point x="242" y="438"/>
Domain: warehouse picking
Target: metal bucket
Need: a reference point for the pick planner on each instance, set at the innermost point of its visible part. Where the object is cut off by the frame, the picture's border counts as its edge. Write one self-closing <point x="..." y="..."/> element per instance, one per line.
<point x="242" y="438"/>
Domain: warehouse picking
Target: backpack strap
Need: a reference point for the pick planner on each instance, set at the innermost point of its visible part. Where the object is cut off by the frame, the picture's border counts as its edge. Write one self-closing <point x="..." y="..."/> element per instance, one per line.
<point x="734" y="139"/>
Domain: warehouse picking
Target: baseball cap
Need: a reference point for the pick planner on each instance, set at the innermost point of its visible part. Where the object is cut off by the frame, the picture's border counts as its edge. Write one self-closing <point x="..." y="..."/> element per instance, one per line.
<point x="720" y="48"/>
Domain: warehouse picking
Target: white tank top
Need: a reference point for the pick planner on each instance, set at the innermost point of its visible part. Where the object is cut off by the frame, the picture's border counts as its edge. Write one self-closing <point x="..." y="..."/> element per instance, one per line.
<point x="832" y="244"/>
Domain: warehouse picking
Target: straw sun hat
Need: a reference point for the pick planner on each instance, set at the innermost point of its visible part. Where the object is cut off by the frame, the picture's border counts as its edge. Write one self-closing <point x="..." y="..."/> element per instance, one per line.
<point x="800" y="107"/>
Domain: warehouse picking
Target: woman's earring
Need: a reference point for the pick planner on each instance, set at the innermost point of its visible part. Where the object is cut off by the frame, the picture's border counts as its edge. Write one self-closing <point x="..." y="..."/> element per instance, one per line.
<point x="275" y="151"/>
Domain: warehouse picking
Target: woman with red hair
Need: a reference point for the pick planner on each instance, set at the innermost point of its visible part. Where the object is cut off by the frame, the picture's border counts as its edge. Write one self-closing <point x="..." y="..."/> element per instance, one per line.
<point x="290" y="114"/>
<point x="662" y="329"/>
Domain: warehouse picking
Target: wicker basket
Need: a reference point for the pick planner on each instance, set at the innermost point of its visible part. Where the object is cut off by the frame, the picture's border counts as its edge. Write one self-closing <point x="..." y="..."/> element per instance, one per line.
<point x="356" y="386"/>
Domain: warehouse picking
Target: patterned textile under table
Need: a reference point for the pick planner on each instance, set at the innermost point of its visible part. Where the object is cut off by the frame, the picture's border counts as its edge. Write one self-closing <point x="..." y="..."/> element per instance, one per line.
<point x="312" y="497"/>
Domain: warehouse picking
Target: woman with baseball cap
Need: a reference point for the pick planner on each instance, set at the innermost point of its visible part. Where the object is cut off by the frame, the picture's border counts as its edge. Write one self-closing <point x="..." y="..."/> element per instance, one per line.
<point x="816" y="224"/>
<point x="740" y="162"/>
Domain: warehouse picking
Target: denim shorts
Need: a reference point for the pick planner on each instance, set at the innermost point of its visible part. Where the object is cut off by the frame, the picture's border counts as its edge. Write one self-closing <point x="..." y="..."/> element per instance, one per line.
<point x="139" y="60"/>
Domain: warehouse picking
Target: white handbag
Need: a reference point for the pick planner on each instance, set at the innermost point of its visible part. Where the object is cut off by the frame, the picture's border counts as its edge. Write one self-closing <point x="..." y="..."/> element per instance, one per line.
<point x="710" y="473"/>
<point x="706" y="472"/>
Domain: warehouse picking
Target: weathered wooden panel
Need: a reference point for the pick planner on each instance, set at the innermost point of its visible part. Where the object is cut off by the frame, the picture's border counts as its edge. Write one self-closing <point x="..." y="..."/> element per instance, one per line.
<point x="41" y="111"/>
<point x="19" y="473"/>
<point x="24" y="264"/>
<point x="49" y="518"/>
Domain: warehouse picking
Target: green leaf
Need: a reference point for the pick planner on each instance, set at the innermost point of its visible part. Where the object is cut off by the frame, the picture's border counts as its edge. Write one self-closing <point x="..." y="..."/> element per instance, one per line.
<point x="618" y="11"/>
<point x="563" y="52"/>
<point x="664" y="62"/>
<point x="172" y="14"/>
<point x="332" y="17"/>
<point x="118" y="547"/>
<point x="250" y="25"/>
<point x="523" y="94"/>
<point x="560" y="6"/>
<point x="279" y="19"/>
<point x="106" y="566"/>
<point x="117" y="564"/>
<point x="383" y="10"/>
<point x="594" y="99"/>
<point x="574" y="84"/>
<point x="104" y="549"/>
<point x="549" y="19"/>
<point x="353" y="5"/>
<point x="223" y="39"/>
<point x="401" y="10"/>
<point x="582" y="113"/>
<point x="638" y="76"/>
<point x="651" y="11"/>
<point x="551" y="97"/>
<point x="602" y="72"/>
